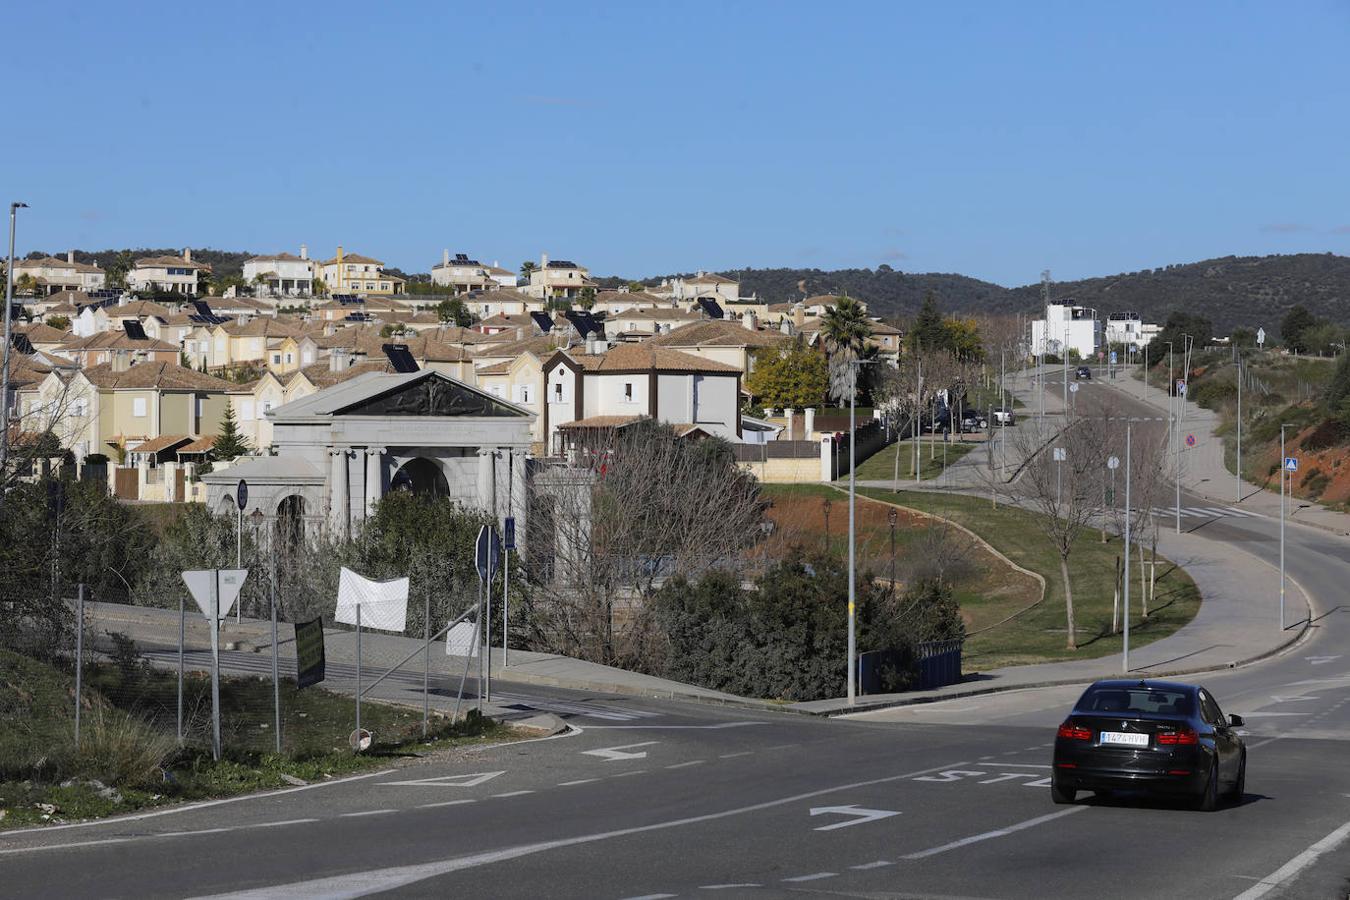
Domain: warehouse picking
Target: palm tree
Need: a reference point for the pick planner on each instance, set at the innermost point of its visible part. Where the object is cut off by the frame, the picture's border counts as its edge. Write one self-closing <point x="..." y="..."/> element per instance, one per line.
<point x="846" y="329"/>
<point x="527" y="267"/>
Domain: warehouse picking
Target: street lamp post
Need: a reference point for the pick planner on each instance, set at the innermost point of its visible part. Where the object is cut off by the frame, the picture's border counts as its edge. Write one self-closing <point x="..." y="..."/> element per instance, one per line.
<point x="1237" y="469"/>
<point x="4" y="364"/>
<point x="1126" y="605"/>
<point x="1283" y="473"/>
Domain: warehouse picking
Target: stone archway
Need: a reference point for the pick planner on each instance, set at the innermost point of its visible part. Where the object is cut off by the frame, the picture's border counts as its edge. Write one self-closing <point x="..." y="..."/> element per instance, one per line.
<point x="420" y="476"/>
<point x="227" y="506"/>
<point x="290" y="520"/>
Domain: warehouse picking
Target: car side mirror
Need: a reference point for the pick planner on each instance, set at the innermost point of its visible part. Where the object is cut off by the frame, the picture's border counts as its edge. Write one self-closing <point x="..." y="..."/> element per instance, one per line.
<point x="1236" y="721"/>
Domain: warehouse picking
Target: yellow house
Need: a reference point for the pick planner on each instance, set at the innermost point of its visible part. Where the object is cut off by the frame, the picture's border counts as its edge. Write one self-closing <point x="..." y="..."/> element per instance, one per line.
<point x="520" y="380"/>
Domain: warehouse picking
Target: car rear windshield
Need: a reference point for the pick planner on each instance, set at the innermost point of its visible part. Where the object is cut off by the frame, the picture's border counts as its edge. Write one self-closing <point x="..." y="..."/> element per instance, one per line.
<point x="1136" y="700"/>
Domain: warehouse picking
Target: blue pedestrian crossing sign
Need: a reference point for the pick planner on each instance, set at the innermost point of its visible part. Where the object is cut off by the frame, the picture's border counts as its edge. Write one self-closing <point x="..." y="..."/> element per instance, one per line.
<point x="1113" y="357"/>
<point x="1291" y="463"/>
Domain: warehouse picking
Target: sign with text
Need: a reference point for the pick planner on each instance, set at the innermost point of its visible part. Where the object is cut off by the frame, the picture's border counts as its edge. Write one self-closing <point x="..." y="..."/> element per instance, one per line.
<point x="309" y="655"/>
<point x="229" y="582"/>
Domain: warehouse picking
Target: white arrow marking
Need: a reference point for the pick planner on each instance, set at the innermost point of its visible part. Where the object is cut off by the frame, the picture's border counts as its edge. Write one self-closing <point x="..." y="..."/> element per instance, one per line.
<point x="613" y="753"/>
<point x="471" y="780"/>
<point x="1295" y="699"/>
<point x="861" y="815"/>
<point x="1321" y="660"/>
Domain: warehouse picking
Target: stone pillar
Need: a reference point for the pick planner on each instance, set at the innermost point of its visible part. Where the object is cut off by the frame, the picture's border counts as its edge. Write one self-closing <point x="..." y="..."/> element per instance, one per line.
<point x="485" y="479"/>
<point x="827" y="458"/>
<point x="791" y="415"/>
<point x="810" y="423"/>
<point x="374" y="478"/>
<point x="520" y="501"/>
<point x="338" y="512"/>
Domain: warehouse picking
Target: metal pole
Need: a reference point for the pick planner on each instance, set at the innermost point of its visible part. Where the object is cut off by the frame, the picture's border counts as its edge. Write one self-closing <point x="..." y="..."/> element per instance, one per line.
<point x="4" y="365"/>
<point x="79" y="659"/>
<point x="358" y="677"/>
<point x="276" y="672"/>
<point x="506" y="551"/>
<point x="182" y="628"/>
<point x="1237" y="471"/>
<point x="478" y="634"/>
<point x="215" y="664"/>
<point x="487" y="624"/>
<point x="239" y="561"/>
<point x="1064" y="353"/>
<point x="852" y="588"/>
<point x="1126" y="604"/>
<point x="426" y="665"/>
<point x="1282" y="427"/>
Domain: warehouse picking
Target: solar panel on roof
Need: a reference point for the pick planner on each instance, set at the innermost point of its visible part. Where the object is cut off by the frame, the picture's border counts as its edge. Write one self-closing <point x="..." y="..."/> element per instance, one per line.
<point x="134" y="330"/>
<point x="203" y="308"/>
<point x="399" y="356"/>
<point x="21" y="343"/>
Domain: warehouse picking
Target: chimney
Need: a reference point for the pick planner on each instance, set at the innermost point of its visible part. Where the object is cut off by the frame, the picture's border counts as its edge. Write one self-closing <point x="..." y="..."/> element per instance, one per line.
<point x="304" y="252"/>
<point x="520" y="333"/>
<point x="750" y="321"/>
<point x="590" y="344"/>
<point x="121" y="360"/>
<point x="445" y="257"/>
<point x="187" y="254"/>
<point x="70" y="256"/>
<point x="543" y="260"/>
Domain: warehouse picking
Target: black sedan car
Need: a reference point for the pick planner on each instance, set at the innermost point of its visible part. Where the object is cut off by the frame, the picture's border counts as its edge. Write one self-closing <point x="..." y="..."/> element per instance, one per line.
<point x="1084" y="373"/>
<point x="1155" y="736"/>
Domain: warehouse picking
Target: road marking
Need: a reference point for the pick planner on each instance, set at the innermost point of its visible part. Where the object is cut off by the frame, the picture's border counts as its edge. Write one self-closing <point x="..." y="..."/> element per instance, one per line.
<point x="1295" y="699"/>
<point x="814" y="876"/>
<point x="368" y="812"/>
<point x="191" y="833"/>
<point x="879" y="864"/>
<point x="1291" y="869"/>
<point x="651" y="897"/>
<point x="734" y="755"/>
<point x="610" y="754"/>
<point x="685" y="765"/>
<point x="513" y="794"/>
<point x="136" y="817"/>
<point x="950" y="775"/>
<point x="721" y="727"/>
<point x="1321" y="660"/>
<point x="578" y="781"/>
<point x="1002" y="832"/>
<point x="281" y="823"/>
<point x="447" y="803"/>
<point x="70" y="846"/>
<point x="630" y="772"/>
<point x="726" y="887"/>
<point x="1007" y="776"/>
<point x="859" y="815"/>
<point x="470" y="780"/>
<point x="371" y="881"/>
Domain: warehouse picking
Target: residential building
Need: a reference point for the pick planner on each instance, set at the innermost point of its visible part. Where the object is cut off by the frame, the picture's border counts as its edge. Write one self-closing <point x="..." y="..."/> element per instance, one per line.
<point x="168" y="274"/>
<point x="719" y="340"/>
<point x="886" y="339"/>
<point x="519" y="378"/>
<point x="1128" y="328"/>
<point x="53" y="275"/>
<point x="462" y="275"/>
<point x="646" y="322"/>
<point x="1071" y="329"/>
<point x="282" y="274"/>
<point x="352" y="273"/>
<point x="371" y="308"/>
<point x="488" y="304"/>
<point x="106" y="346"/>
<point x="612" y="303"/>
<point x="558" y="278"/>
<point x="634" y="380"/>
<point x="707" y="285"/>
<point x="504" y="278"/>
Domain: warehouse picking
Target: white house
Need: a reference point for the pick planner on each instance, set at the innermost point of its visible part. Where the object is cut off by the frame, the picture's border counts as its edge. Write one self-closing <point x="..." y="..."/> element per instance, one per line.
<point x="284" y="274"/>
<point x="1076" y="328"/>
<point x="170" y="274"/>
<point x="1129" y="329"/>
<point x="558" y="278"/>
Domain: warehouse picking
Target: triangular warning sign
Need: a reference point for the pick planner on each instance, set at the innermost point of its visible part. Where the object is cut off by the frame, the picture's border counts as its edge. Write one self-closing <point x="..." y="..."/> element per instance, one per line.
<point x="229" y="582"/>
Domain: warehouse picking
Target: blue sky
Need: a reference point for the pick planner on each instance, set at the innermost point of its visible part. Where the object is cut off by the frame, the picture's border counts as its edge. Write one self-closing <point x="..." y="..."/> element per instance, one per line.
<point x="991" y="139"/>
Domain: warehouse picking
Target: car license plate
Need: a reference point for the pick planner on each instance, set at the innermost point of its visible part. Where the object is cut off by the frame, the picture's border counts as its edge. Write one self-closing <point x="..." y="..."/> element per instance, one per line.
<point x="1125" y="739"/>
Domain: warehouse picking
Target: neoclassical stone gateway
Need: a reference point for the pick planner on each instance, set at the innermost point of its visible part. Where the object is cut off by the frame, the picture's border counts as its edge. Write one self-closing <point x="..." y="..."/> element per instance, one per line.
<point x="337" y="452"/>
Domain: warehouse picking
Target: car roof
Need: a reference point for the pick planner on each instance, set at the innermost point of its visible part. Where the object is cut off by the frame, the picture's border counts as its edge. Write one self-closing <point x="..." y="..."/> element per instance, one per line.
<point x="1144" y="683"/>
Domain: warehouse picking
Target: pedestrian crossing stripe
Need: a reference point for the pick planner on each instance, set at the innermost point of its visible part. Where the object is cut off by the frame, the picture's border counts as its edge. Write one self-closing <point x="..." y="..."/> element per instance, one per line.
<point x="1204" y="512"/>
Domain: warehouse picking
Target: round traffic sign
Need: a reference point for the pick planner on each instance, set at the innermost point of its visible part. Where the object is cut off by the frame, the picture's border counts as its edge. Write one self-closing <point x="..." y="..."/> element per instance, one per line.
<point x="1113" y="462"/>
<point x="1073" y="388"/>
<point x="1190" y="440"/>
<point x="241" y="495"/>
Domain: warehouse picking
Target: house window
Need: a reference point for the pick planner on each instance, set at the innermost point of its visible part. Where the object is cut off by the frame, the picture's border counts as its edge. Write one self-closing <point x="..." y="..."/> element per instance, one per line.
<point x="557" y="392"/>
<point x="289" y="357"/>
<point x="628" y="391"/>
<point x="138" y="406"/>
<point x="276" y="359"/>
<point x="524" y="393"/>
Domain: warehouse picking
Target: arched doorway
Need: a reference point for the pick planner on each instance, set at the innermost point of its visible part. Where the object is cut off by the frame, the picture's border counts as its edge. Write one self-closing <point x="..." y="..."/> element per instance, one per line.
<point x="227" y="507"/>
<point x="420" y="476"/>
<point x="290" y="520"/>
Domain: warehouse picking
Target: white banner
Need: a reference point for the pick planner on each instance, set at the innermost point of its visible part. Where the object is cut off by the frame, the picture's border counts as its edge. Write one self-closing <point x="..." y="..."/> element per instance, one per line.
<point x="384" y="604"/>
<point x="462" y="640"/>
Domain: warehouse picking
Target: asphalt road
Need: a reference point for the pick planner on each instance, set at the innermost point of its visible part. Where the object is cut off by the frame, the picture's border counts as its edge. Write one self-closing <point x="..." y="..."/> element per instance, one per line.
<point x="663" y="799"/>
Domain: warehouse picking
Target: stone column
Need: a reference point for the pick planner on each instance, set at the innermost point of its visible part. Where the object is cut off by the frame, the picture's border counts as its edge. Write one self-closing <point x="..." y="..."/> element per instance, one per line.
<point x="520" y="486"/>
<point x="374" y="478"/>
<point x="810" y="422"/>
<point x="791" y="415"/>
<point x="485" y="479"/>
<point x="338" y="512"/>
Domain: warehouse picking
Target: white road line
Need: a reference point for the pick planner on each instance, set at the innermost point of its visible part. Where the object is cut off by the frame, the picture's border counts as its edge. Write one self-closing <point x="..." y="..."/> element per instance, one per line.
<point x="578" y="781"/>
<point x="281" y="823"/>
<point x="1291" y="869"/>
<point x="721" y="727"/>
<point x="368" y="812"/>
<point x="728" y="887"/>
<point x="879" y="864"/>
<point x="447" y="803"/>
<point x="1002" y="832"/>
<point x="513" y="794"/>
<point x="651" y="897"/>
<point x="372" y="881"/>
<point x="631" y="772"/>
<point x="191" y="833"/>
<point x="814" y="876"/>
<point x="64" y="846"/>
<point x="734" y="755"/>
<point x="685" y="765"/>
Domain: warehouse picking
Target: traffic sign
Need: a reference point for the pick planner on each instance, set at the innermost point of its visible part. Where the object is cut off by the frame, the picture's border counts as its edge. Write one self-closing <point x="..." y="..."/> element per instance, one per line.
<point x="1291" y="463"/>
<point x="241" y="495"/>
<point x="1190" y="440"/>
<point x="1113" y="463"/>
<point x="1100" y="356"/>
<point x="487" y="551"/>
<point x="1181" y="387"/>
<point x="1073" y="388"/>
<point x="510" y="540"/>
<point x="229" y="582"/>
<point x="1060" y="455"/>
<point x="1260" y="337"/>
<point x="1113" y="357"/>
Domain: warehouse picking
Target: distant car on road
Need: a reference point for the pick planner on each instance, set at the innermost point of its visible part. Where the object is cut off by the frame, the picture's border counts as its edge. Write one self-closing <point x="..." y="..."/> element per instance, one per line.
<point x="1084" y="373"/>
<point x="1004" y="416"/>
<point x="1160" y="737"/>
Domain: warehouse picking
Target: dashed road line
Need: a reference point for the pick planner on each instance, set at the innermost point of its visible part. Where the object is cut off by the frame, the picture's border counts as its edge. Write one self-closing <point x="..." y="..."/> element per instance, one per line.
<point x="731" y="886"/>
<point x="447" y="803"/>
<point x="282" y="822"/>
<point x="198" y="831"/>
<point x="879" y="864"/>
<point x="367" y="812"/>
<point x="1001" y="832"/>
<point x="814" y="876"/>
<point x="513" y="794"/>
<point x="70" y="846"/>
<point x="685" y="765"/>
<point x="651" y="897"/>
<point x="631" y="772"/>
<point x="734" y="755"/>
<point x="578" y="781"/>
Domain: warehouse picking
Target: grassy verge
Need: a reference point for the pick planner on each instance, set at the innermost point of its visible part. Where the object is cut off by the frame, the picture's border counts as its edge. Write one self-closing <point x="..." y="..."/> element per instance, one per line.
<point x="129" y="757"/>
<point x="1039" y="635"/>
<point x="880" y="466"/>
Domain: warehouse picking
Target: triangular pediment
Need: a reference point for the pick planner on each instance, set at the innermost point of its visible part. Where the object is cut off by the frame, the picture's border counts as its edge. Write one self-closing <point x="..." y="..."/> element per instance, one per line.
<point x="434" y="395"/>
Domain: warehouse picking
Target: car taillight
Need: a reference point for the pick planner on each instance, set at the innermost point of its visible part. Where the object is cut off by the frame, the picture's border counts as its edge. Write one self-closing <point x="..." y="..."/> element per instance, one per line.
<point x="1072" y="732"/>
<point x="1180" y="738"/>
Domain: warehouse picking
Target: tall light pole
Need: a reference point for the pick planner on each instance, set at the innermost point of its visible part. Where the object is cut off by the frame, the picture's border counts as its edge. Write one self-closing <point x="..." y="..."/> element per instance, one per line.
<point x="1181" y="412"/>
<point x="1237" y="470"/>
<point x="852" y="588"/>
<point x="4" y="363"/>
<point x="1172" y="428"/>
<point x="1283" y="472"/>
<point x="1126" y="604"/>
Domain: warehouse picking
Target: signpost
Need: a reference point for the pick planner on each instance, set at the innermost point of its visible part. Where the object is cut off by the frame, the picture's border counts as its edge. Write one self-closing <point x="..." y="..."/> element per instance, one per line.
<point x="215" y="591"/>
<point x="1059" y="456"/>
<point x="508" y="544"/>
<point x="240" y="501"/>
<point x="487" y="558"/>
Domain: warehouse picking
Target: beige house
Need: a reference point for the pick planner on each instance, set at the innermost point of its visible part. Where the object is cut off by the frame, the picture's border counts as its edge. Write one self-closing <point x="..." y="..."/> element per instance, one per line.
<point x="461" y="274"/>
<point x="520" y="380"/>
<point x="645" y="322"/>
<point x="613" y="303"/>
<point x="168" y="274"/>
<point x="499" y="303"/>
<point x="381" y="308"/>
<point x="352" y="273"/>
<point x="558" y="278"/>
<point x="106" y="346"/>
<point x="53" y="275"/>
<point x="731" y="343"/>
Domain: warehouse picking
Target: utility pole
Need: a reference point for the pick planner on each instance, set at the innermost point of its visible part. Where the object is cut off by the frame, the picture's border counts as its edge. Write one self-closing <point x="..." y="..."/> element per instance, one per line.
<point x="1237" y="470"/>
<point x="4" y="364"/>
<point x="852" y="587"/>
<point x="1126" y="604"/>
<point x="1045" y="338"/>
<point x="1283" y="472"/>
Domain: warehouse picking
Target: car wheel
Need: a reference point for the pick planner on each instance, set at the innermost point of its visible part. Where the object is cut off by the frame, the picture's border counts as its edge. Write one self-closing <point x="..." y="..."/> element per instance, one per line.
<point x="1061" y="794"/>
<point x="1209" y="798"/>
<point x="1240" y="784"/>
